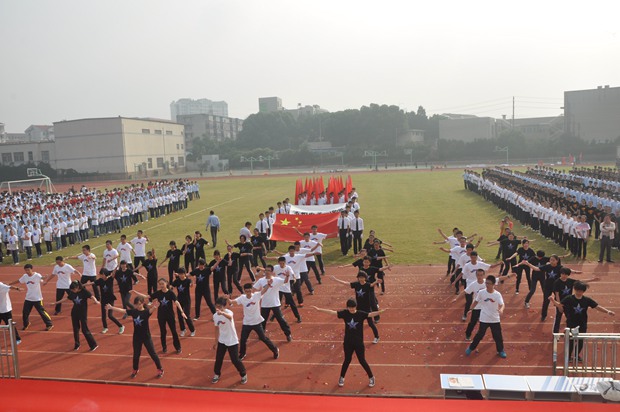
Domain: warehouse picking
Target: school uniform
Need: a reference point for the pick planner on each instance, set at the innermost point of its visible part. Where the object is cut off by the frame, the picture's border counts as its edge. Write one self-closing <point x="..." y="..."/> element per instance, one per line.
<point x="227" y="342"/>
<point x="489" y="303"/>
<point x="271" y="303"/>
<point x="344" y="227"/>
<point x="63" y="275"/>
<point x="285" y="289"/>
<point x="252" y="321"/>
<point x="472" y="290"/>
<point x="34" y="299"/>
<point x="357" y="228"/>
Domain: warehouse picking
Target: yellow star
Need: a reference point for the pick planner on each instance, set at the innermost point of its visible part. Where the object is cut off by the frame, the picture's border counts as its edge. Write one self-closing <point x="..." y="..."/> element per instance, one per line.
<point x="285" y="222"/>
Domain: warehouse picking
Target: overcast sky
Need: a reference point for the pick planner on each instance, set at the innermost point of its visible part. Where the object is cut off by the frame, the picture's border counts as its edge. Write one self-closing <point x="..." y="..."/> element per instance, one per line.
<point x="72" y="59"/>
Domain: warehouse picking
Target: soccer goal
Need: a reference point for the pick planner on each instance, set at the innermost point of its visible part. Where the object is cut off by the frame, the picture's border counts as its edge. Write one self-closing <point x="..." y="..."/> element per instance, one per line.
<point x="36" y="180"/>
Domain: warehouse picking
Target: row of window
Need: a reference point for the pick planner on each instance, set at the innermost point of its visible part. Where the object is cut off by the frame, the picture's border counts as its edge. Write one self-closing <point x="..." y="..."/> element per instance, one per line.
<point x="160" y="162"/>
<point x="19" y="157"/>
<point x="156" y="131"/>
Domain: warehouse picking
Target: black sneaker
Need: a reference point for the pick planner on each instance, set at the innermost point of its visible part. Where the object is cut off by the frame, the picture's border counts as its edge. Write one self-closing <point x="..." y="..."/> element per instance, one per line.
<point x="164" y="350"/>
<point x="289" y="338"/>
<point x="76" y="347"/>
<point x="242" y="357"/>
<point x="26" y="327"/>
<point x="133" y="374"/>
<point x="276" y="354"/>
<point x="94" y="348"/>
<point x="160" y="373"/>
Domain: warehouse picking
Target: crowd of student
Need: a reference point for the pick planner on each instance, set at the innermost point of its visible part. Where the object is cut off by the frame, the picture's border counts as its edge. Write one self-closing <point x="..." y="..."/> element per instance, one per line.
<point x="113" y="277"/>
<point x="561" y="212"/>
<point x="33" y="222"/>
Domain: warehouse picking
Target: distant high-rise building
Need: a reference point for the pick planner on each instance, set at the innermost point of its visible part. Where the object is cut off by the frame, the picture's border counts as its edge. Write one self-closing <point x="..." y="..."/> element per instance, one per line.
<point x="269" y="104"/>
<point x="200" y="106"/>
<point x="213" y="127"/>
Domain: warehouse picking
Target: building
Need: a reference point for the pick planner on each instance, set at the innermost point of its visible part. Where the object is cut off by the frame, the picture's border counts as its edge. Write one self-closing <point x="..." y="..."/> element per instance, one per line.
<point x="214" y="127"/>
<point x="269" y="104"/>
<point x="200" y="106"/>
<point x="305" y="111"/>
<point x="18" y="153"/>
<point x="38" y="133"/>
<point x="467" y="129"/>
<point x="410" y="136"/>
<point x="593" y="114"/>
<point x="538" y="128"/>
<point x="120" y="145"/>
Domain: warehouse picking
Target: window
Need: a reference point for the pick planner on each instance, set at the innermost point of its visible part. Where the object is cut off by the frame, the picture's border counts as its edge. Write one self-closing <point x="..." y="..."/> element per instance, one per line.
<point x="168" y="132"/>
<point x="160" y="162"/>
<point x="157" y="131"/>
<point x="146" y="131"/>
<point x="30" y="157"/>
<point x="177" y="146"/>
<point x="181" y="161"/>
<point x="181" y="145"/>
<point x="171" y="161"/>
<point x="150" y="163"/>
<point x="45" y="156"/>
<point x="7" y="158"/>
<point x="18" y="156"/>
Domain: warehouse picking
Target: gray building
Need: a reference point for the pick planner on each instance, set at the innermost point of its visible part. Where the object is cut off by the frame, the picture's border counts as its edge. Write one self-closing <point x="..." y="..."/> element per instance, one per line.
<point x="467" y="129"/>
<point x="218" y="128"/>
<point x="200" y="106"/>
<point x="18" y="153"/>
<point x="269" y="104"/>
<point x="593" y="114"/>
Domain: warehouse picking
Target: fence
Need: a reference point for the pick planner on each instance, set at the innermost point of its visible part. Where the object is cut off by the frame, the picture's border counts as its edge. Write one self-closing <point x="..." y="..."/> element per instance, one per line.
<point x="9" y="365"/>
<point x="598" y="355"/>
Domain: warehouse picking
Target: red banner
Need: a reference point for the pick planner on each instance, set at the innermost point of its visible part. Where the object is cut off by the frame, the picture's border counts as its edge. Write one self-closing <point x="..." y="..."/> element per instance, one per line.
<point x="283" y="228"/>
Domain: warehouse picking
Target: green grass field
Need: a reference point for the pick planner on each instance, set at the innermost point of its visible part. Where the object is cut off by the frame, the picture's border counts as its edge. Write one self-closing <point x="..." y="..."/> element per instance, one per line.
<point x="405" y="209"/>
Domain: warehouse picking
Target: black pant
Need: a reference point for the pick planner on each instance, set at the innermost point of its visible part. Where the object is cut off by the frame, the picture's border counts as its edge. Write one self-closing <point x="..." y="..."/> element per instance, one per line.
<point x="469" y="299"/>
<point x="258" y="254"/>
<point x="173" y="331"/>
<point x="139" y="259"/>
<point x="372" y="325"/>
<point x="583" y="328"/>
<point x="475" y="315"/>
<point x="59" y="294"/>
<point x="219" y="281"/>
<point x="137" y="350"/>
<point x="277" y="313"/>
<point x="125" y="297"/>
<point x="171" y="271"/>
<point x="186" y="305"/>
<point x="233" y="278"/>
<point x="519" y="271"/>
<point x="605" y="248"/>
<point x="233" y="352"/>
<point x="79" y="321"/>
<point x="86" y="279"/>
<point x="582" y="248"/>
<point x="496" y="330"/>
<point x="151" y="282"/>
<point x="244" y="262"/>
<point x="105" y="314"/>
<point x="344" y="241"/>
<point x="303" y="279"/>
<point x="6" y="317"/>
<point x="547" y="291"/>
<point x="357" y="241"/>
<point x="38" y="305"/>
<point x="451" y="265"/>
<point x="558" y="320"/>
<point x="319" y="259"/>
<point x="356" y="346"/>
<point x="537" y="277"/>
<point x="245" y="334"/>
<point x="311" y="264"/>
<point x="288" y="298"/>
<point x="201" y="293"/>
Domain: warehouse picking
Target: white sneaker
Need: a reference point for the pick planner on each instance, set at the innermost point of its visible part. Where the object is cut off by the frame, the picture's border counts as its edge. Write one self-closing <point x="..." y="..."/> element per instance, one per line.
<point x="193" y="333"/>
<point x="371" y="382"/>
<point x="121" y="330"/>
<point x="182" y="333"/>
<point x="375" y="340"/>
<point x="527" y="305"/>
<point x="104" y="331"/>
<point x="341" y="382"/>
<point x="216" y="379"/>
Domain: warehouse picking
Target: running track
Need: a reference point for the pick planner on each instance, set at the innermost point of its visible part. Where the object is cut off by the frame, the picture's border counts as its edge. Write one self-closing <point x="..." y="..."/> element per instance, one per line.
<point x="421" y="337"/>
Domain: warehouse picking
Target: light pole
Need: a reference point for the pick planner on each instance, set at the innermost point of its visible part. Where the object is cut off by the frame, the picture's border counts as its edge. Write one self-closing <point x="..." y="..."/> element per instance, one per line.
<point x="374" y="155"/>
<point x="251" y="160"/>
<point x="502" y="149"/>
<point x="268" y="159"/>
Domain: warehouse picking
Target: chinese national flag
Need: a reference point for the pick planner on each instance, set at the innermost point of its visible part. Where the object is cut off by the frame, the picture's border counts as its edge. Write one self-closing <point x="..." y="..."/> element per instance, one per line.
<point x="283" y="228"/>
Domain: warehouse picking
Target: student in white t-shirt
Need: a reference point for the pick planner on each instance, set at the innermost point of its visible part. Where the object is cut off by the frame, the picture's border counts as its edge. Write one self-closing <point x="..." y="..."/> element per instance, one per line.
<point x="491" y="305"/>
<point x="139" y="247"/>
<point x="89" y="274"/>
<point x="125" y="250"/>
<point x="226" y="341"/>
<point x="34" y="297"/>
<point x="271" y="298"/>
<point x="470" y="291"/>
<point x="6" y="308"/>
<point x="252" y="320"/>
<point x="63" y="272"/>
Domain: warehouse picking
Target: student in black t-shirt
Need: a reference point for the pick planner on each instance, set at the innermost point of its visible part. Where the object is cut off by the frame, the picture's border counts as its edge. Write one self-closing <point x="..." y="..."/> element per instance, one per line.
<point x="232" y="269"/>
<point x="79" y="313"/>
<point x="105" y="283"/>
<point x="245" y="256"/>
<point x="199" y="244"/>
<point x="165" y="313"/>
<point x="125" y="278"/>
<point x="377" y="259"/>
<point x="353" y="337"/>
<point x="508" y="247"/>
<point x="575" y="307"/>
<point x="141" y="332"/>
<point x="188" y="251"/>
<point x="525" y="254"/>
<point x="173" y="257"/>
<point x="364" y="292"/>
<point x="183" y="285"/>
<point x="203" y="291"/>
<point x="258" y="249"/>
<point x="218" y="272"/>
<point x="150" y="264"/>
<point x="562" y="288"/>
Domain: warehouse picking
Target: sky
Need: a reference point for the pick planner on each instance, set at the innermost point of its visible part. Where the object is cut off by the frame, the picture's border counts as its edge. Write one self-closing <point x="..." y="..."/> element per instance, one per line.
<point x="71" y="59"/>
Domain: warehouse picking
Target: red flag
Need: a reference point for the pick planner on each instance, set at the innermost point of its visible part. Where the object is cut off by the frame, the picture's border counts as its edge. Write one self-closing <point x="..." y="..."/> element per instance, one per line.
<point x="298" y="190"/>
<point x="283" y="228"/>
<point x="349" y="187"/>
